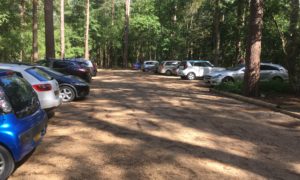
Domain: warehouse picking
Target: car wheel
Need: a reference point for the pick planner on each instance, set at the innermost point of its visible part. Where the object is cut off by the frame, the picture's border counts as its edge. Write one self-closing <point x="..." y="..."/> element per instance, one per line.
<point x="278" y="79"/>
<point x="191" y="76"/>
<point x="7" y="164"/>
<point x="227" y="79"/>
<point x="168" y="73"/>
<point x="67" y="93"/>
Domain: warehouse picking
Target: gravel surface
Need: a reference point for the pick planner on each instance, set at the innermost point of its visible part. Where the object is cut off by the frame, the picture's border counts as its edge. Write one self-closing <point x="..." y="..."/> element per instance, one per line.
<point x="143" y="126"/>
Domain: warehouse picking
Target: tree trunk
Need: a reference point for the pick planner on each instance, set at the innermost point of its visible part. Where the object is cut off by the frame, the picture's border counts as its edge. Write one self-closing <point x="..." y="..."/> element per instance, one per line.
<point x="217" y="36"/>
<point x="22" y="19"/>
<point x="49" y="29"/>
<point x="293" y="46"/>
<point x="35" y="55"/>
<point x="239" y="59"/>
<point x="126" y="33"/>
<point x="252" y="72"/>
<point x="112" y="12"/>
<point x="62" y="29"/>
<point x="87" y="29"/>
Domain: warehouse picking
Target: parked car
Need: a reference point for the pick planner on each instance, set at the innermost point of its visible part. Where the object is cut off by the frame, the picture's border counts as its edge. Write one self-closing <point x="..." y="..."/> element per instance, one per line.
<point x="268" y="71"/>
<point x="150" y="66"/>
<point x="45" y="86"/>
<point x="193" y="69"/>
<point x="71" y="87"/>
<point x="23" y="123"/>
<point x="67" y="67"/>
<point x="88" y="64"/>
<point x="166" y="67"/>
<point x="137" y="66"/>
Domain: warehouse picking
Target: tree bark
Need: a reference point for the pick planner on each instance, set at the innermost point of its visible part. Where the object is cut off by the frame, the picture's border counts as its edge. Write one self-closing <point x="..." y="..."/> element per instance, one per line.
<point x="22" y="19"/>
<point x="35" y="55"/>
<point x="252" y="72"/>
<point x="240" y="24"/>
<point x="49" y="29"/>
<point x="62" y="29"/>
<point x="126" y="33"/>
<point x="293" y="46"/>
<point x="87" y="29"/>
<point x="217" y="35"/>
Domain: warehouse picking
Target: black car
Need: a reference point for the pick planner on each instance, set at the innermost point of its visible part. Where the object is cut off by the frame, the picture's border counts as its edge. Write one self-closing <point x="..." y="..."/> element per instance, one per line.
<point x="67" y="67"/>
<point x="71" y="87"/>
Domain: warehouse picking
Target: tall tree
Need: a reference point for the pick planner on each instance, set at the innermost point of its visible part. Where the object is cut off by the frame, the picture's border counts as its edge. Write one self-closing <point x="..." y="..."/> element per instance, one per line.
<point x="87" y="29"/>
<point x="217" y="33"/>
<point x="62" y="29"/>
<point x="293" y="46"/>
<point x="253" y="53"/>
<point x="35" y="30"/>
<point x="239" y="26"/>
<point x="22" y="19"/>
<point x="126" y="33"/>
<point x="49" y="29"/>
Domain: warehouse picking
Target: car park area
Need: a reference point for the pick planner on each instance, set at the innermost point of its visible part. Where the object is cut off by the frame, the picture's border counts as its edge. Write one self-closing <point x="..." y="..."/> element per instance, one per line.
<point x="137" y="125"/>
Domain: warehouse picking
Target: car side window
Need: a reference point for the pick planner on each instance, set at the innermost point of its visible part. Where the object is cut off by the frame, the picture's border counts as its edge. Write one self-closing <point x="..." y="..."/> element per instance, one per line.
<point x="200" y="64"/>
<point x="268" y="68"/>
<point x="169" y="63"/>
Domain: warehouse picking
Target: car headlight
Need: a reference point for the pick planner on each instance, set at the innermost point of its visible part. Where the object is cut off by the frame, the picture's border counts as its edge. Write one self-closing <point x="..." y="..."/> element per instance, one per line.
<point x="217" y="76"/>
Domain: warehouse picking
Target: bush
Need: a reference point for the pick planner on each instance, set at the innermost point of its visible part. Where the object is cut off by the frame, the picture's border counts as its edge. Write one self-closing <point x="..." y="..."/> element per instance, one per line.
<point x="268" y="87"/>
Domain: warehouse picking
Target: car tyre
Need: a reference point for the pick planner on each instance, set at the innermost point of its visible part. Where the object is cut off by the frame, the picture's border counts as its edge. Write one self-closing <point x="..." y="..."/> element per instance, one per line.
<point x="277" y="79"/>
<point x="227" y="79"/>
<point x="191" y="76"/>
<point x="7" y="163"/>
<point x="67" y="93"/>
<point x="168" y="73"/>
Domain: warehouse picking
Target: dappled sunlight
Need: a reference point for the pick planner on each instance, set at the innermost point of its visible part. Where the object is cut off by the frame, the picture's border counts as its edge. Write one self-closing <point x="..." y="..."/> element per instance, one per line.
<point x="146" y="126"/>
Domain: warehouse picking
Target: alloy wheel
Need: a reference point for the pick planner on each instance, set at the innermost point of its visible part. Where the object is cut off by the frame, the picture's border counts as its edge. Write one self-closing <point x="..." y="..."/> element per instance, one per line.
<point x="2" y="164"/>
<point x="67" y="94"/>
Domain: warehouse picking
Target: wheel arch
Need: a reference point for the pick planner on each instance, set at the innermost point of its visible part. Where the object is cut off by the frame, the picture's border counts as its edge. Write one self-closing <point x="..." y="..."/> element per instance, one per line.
<point x="71" y="86"/>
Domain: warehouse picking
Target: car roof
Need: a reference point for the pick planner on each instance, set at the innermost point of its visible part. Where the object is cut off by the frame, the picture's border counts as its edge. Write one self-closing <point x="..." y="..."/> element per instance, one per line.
<point x="16" y="67"/>
<point x="197" y="60"/>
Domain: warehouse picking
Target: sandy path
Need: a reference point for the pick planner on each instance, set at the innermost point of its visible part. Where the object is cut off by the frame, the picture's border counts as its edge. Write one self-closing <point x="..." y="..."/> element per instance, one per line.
<point x="142" y="126"/>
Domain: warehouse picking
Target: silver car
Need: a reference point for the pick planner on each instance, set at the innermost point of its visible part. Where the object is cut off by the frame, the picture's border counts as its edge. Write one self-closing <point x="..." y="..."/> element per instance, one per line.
<point x="193" y="69"/>
<point x="268" y="71"/>
<point x="166" y="67"/>
<point x="149" y="66"/>
<point x="45" y="86"/>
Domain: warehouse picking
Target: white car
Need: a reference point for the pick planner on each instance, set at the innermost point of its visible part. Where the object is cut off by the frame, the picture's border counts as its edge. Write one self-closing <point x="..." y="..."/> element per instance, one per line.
<point x="45" y="86"/>
<point x="193" y="69"/>
<point x="166" y="67"/>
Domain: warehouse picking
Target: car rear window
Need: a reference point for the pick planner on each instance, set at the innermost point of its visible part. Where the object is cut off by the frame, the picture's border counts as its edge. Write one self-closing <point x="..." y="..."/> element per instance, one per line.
<point x="39" y="74"/>
<point x="22" y="97"/>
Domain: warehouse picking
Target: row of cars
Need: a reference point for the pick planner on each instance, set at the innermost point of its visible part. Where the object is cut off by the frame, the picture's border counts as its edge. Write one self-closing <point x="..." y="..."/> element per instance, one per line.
<point x="27" y="94"/>
<point x="192" y="69"/>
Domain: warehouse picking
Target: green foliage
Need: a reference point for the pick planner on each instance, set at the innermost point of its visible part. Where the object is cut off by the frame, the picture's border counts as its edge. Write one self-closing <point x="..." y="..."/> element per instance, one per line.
<point x="266" y="87"/>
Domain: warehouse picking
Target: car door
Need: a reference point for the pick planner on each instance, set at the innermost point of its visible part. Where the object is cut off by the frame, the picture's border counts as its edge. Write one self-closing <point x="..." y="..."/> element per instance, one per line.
<point x="265" y="71"/>
<point x="198" y="69"/>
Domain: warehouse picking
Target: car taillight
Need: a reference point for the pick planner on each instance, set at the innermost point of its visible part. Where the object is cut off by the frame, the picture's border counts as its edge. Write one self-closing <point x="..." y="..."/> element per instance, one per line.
<point x="42" y="87"/>
<point x="4" y="104"/>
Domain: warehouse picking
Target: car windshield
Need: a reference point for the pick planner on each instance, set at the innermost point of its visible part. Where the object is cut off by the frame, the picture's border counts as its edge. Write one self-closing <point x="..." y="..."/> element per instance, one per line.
<point x="23" y="99"/>
<point x="52" y="71"/>
<point x="38" y="74"/>
<point x="236" y="68"/>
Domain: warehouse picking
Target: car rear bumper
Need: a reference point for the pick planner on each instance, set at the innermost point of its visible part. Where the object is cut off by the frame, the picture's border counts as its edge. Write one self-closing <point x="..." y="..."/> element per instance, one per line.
<point x="23" y="135"/>
<point x="49" y="100"/>
<point x="82" y="91"/>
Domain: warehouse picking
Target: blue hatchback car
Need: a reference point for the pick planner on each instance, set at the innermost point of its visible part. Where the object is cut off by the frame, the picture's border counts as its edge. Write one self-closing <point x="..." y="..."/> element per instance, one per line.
<point x="22" y="121"/>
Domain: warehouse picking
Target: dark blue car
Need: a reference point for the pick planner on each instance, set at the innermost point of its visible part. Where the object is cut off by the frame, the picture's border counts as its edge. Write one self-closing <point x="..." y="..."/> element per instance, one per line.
<point x="71" y="87"/>
<point x="22" y="121"/>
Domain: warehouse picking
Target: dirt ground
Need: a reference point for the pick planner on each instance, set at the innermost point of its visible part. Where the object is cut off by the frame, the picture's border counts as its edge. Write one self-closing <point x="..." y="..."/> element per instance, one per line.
<point x="142" y="126"/>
